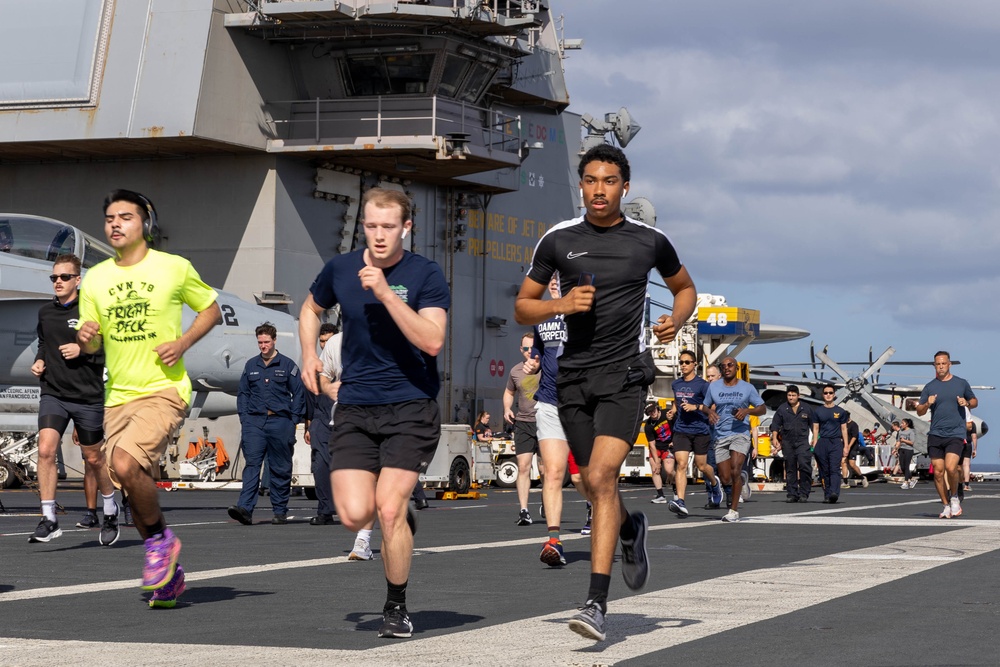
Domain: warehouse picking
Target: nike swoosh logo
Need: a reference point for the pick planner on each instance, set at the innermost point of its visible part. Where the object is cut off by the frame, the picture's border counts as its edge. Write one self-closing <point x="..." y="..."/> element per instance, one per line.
<point x="574" y="255"/>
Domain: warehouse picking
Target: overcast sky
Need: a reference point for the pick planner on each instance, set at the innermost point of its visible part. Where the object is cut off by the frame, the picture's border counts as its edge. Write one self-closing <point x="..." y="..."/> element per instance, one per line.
<point x="834" y="165"/>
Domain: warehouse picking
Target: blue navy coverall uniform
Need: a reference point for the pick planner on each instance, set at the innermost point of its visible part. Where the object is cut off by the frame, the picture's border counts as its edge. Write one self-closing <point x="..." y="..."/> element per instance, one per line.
<point x="794" y="427"/>
<point x="320" y="407"/>
<point x="270" y="402"/>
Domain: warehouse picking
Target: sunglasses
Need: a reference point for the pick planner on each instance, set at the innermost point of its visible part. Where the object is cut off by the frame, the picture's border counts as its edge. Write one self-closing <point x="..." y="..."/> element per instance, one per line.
<point x="65" y="277"/>
<point x="727" y="365"/>
<point x="685" y="362"/>
<point x="828" y="393"/>
<point x="525" y="349"/>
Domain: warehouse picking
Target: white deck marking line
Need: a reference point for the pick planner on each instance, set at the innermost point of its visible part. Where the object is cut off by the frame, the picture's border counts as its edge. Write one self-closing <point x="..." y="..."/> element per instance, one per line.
<point x="637" y="626"/>
<point x="807" y="518"/>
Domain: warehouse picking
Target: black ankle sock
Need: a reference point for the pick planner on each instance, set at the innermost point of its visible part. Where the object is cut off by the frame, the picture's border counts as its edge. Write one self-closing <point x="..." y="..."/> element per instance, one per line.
<point x="628" y="530"/>
<point x="395" y="595"/>
<point x="156" y="528"/>
<point x="599" y="585"/>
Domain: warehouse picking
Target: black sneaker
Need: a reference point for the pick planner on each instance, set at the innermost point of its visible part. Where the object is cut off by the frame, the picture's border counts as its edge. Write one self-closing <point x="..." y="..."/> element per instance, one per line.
<point x="45" y="531"/>
<point x="279" y="520"/>
<point x="524" y="518"/>
<point x="110" y="532"/>
<point x="89" y="520"/>
<point x="395" y="623"/>
<point x="322" y="520"/>
<point x="589" y="622"/>
<point x="635" y="560"/>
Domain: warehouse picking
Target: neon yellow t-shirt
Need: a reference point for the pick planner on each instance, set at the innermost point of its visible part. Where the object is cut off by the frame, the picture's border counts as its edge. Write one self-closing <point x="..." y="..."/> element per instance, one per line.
<point x="139" y="307"/>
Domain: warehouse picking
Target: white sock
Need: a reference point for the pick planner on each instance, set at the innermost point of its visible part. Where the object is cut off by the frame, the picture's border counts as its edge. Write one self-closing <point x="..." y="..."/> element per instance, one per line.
<point x="365" y="534"/>
<point x="110" y="506"/>
<point x="49" y="510"/>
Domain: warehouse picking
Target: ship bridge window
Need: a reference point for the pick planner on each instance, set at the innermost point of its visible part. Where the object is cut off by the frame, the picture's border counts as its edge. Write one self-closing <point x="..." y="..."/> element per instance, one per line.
<point x="477" y="81"/>
<point x="455" y="68"/>
<point x="36" y="239"/>
<point x="387" y="74"/>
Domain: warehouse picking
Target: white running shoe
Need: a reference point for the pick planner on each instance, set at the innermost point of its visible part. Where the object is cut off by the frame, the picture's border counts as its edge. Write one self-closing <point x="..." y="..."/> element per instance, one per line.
<point x="732" y="516"/>
<point x="956" y="507"/>
<point x="659" y="500"/>
<point x="746" y="491"/>
<point x="945" y="513"/>
<point x="362" y="550"/>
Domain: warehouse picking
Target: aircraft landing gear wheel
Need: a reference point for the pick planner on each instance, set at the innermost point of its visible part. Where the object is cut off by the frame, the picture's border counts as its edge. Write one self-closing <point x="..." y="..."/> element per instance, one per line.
<point x="458" y="477"/>
<point x="9" y="479"/>
<point x="507" y="474"/>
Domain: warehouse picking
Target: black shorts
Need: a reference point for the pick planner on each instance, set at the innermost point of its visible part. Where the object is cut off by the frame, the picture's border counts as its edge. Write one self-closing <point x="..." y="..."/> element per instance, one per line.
<point x="854" y="451"/>
<point x="967" y="450"/>
<point x="593" y="402"/>
<point x="937" y="447"/>
<point x="525" y="438"/>
<point x="88" y="418"/>
<point x="372" y="437"/>
<point x="692" y="442"/>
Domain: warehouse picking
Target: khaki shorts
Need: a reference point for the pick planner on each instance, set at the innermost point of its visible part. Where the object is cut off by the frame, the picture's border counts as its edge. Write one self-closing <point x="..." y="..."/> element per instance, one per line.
<point x="143" y="427"/>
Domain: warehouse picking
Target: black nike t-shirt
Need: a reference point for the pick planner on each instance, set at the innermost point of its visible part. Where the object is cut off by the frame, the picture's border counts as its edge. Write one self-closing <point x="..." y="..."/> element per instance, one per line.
<point x="620" y="259"/>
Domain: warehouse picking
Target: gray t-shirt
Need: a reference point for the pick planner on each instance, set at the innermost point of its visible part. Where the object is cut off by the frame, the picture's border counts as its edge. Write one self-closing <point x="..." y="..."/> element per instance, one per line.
<point x="905" y="434"/>
<point x="523" y="387"/>
<point x="947" y="416"/>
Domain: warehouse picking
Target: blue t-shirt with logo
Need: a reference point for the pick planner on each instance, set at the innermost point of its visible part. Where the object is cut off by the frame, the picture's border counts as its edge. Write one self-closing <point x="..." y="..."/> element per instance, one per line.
<point x="690" y="391"/>
<point x="380" y="365"/>
<point x="550" y="336"/>
<point x="829" y="420"/>
<point x="726" y="399"/>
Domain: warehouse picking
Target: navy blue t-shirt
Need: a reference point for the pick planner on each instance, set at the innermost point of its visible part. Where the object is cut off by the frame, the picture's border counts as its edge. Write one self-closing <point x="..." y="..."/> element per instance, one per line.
<point x="829" y="420"/>
<point x="549" y="338"/>
<point x="690" y="391"/>
<point x="380" y="365"/>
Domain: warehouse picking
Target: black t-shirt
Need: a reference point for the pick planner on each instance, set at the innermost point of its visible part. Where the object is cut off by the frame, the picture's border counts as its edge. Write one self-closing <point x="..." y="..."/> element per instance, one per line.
<point x="80" y="379"/>
<point x="620" y="259"/>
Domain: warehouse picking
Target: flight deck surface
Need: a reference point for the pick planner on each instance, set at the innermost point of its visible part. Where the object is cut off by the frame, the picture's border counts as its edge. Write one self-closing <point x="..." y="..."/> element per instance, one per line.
<point x="877" y="580"/>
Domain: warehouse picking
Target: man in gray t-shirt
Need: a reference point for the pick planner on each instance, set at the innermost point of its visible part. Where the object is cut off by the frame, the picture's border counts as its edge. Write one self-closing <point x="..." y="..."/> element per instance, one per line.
<point x="520" y="393"/>
<point x="946" y="396"/>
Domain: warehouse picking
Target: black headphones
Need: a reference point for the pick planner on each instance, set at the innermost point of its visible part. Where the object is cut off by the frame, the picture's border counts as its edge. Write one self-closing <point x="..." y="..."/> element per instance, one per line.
<point x="150" y="230"/>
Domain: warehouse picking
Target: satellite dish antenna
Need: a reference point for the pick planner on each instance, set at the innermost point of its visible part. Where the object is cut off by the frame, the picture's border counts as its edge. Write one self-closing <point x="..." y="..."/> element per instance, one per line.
<point x="625" y="127"/>
<point x="641" y="209"/>
<point x="621" y="124"/>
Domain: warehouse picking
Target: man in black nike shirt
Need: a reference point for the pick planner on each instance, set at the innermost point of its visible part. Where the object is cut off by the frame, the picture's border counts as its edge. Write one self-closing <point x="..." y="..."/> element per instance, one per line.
<point x="604" y="260"/>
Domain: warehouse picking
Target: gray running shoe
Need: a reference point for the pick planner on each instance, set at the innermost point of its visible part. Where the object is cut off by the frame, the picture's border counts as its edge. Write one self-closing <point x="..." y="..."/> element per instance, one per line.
<point x="635" y="559"/>
<point x="589" y="623"/>
<point x="89" y="520"/>
<point x="678" y="507"/>
<point x="746" y="491"/>
<point x="46" y="531"/>
<point x="110" y="531"/>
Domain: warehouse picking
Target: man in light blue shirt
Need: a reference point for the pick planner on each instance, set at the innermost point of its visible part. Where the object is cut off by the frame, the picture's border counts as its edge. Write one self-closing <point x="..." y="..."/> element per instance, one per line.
<point x="728" y="404"/>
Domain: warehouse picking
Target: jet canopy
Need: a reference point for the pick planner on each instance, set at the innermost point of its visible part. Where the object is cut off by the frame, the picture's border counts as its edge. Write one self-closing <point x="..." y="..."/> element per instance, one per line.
<point x="35" y="237"/>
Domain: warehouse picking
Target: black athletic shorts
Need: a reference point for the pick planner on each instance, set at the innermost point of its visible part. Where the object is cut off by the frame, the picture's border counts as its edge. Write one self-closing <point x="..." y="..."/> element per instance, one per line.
<point x="594" y="402"/>
<point x="967" y="450"/>
<point x="372" y="437"/>
<point x="692" y="442"/>
<point x="854" y="451"/>
<point x="937" y="447"/>
<point x="525" y="438"/>
<point x="88" y="418"/>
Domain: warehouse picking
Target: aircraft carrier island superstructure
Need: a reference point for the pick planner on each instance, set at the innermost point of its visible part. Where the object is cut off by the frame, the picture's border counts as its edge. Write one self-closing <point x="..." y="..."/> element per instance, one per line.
<point x="255" y="127"/>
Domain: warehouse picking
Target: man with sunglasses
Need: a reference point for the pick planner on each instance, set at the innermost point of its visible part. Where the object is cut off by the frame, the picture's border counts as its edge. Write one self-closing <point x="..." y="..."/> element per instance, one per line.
<point x="72" y="387"/>
<point x="728" y="405"/>
<point x="691" y="433"/>
<point x="830" y="437"/>
<point x="522" y="382"/>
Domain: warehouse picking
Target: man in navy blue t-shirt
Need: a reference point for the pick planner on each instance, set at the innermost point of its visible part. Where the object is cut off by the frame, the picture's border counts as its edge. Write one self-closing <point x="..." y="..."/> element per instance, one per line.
<point x="394" y="307"/>
<point x="946" y="396"/>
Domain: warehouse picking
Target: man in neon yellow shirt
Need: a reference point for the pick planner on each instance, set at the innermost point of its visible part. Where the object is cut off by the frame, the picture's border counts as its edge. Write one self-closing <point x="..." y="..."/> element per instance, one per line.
<point x="131" y="305"/>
